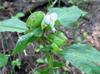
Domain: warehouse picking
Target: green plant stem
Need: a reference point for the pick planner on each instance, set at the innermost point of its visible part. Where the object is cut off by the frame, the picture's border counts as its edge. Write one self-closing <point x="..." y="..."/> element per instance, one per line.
<point x="30" y="11"/>
<point x="49" y="2"/>
<point x="50" y="61"/>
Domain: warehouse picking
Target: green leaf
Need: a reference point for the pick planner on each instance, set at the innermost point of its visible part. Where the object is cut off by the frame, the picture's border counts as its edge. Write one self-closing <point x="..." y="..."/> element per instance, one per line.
<point x="58" y="41"/>
<point x="3" y="60"/>
<point x="26" y="39"/>
<point x="40" y="61"/>
<point x="55" y="48"/>
<point x="16" y="62"/>
<point x="19" y="14"/>
<point x="13" y="25"/>
<point x="35" y="19"/>
<point x="58" y="38"/>
<point x="44" y="71"/>
<point x="84" y="57"/>
<point x="62" y="35"/>
<point x="57" y="64"/>
<point x="68" y="16"/>
<point x="36" y="72"/>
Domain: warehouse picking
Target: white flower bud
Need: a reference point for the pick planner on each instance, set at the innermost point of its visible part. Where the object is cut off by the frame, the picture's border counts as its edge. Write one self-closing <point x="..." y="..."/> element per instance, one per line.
<point x="50" y="19"/>
<point x="54" y="16"/>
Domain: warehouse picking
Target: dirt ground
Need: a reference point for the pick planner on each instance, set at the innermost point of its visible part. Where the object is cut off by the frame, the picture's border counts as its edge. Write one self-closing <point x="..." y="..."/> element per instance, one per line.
<point x="8" y="8"/>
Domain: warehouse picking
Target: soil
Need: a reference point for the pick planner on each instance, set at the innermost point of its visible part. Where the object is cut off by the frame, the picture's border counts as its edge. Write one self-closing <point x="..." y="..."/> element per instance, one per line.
<point x="8" y="8"/>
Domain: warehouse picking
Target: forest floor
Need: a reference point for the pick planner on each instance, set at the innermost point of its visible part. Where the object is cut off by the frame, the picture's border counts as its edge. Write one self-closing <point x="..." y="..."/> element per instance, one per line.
<point x="8" y="8"/>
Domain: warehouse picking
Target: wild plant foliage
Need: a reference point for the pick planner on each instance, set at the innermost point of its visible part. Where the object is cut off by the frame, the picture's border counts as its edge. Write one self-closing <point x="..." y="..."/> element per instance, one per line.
<point x="44" y="28"/>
